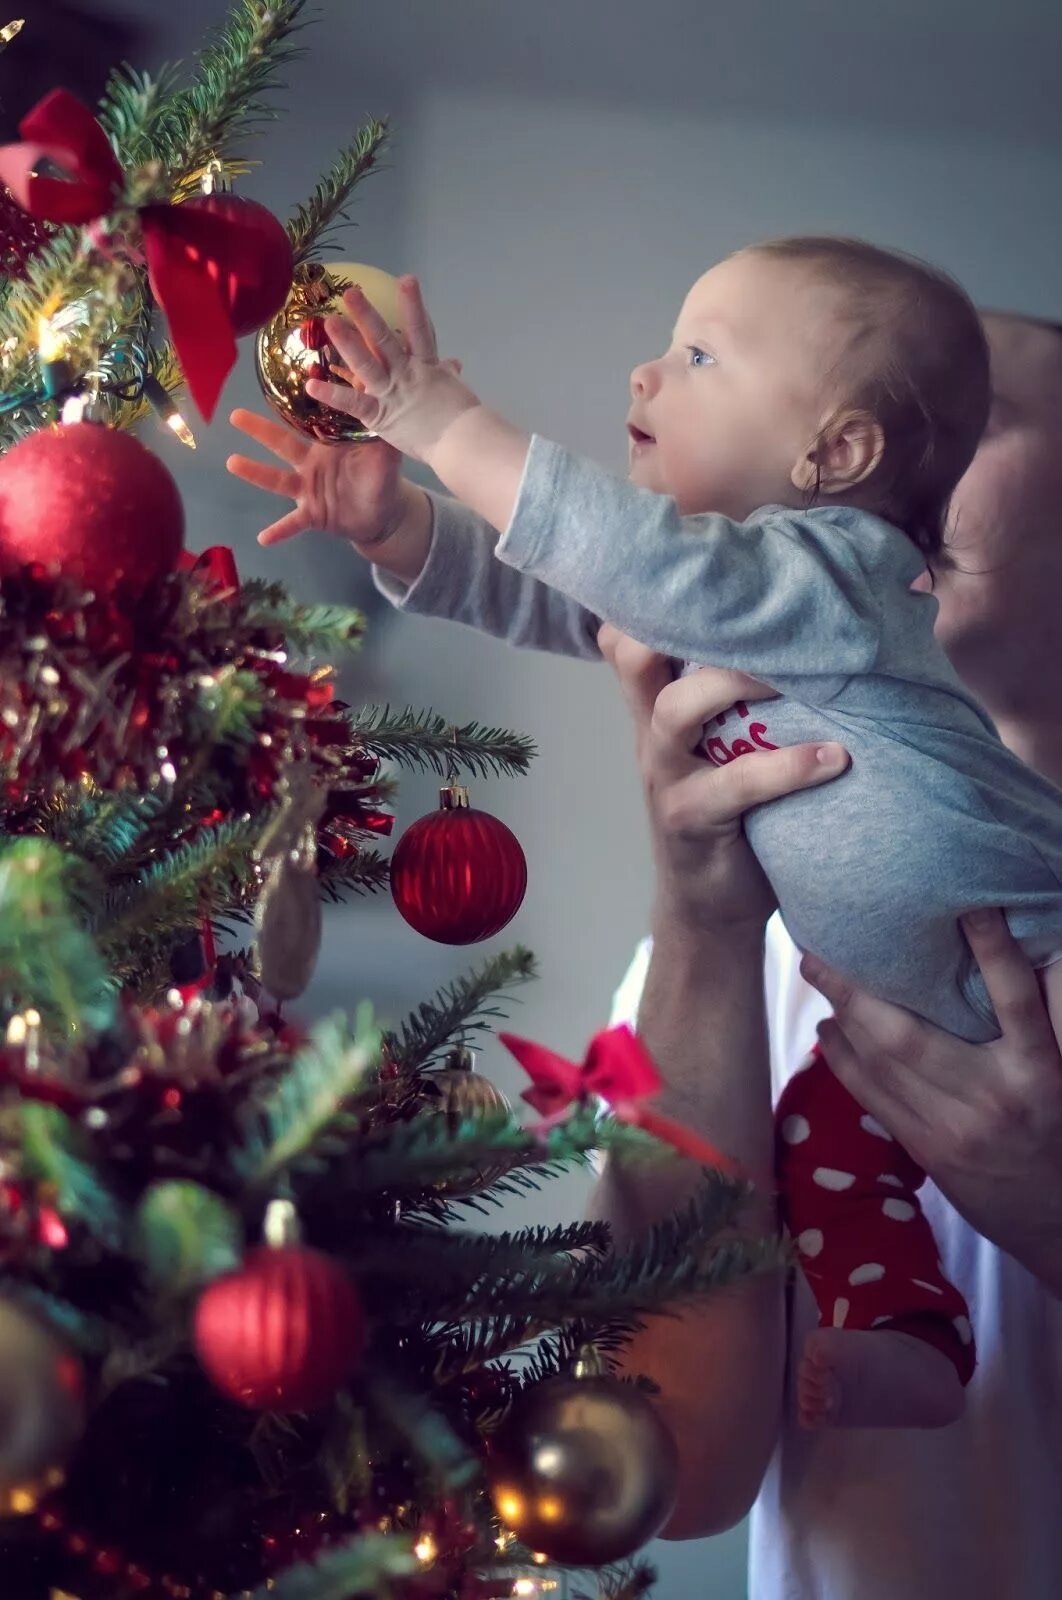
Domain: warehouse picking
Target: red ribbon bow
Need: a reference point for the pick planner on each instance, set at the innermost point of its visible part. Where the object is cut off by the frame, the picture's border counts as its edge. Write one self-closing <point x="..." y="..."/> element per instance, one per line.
<point x="190" y="255"/>
<point x="619" y="1070"/>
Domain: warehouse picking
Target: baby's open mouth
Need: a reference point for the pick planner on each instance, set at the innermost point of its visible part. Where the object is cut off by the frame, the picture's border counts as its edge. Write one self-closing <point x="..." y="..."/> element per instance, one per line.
<point x="638" y="436"/>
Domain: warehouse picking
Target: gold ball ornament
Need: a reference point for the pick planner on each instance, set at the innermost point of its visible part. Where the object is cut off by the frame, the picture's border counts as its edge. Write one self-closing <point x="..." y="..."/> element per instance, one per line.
<point x="584" y="1470"/>
<point x="294" y="346"/>
<point x="459" y="1093"/>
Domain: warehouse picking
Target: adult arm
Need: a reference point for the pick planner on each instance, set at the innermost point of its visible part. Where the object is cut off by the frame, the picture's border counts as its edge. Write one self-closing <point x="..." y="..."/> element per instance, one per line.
<point x="985" y="1121"/>
<point x="719" y="1363"/>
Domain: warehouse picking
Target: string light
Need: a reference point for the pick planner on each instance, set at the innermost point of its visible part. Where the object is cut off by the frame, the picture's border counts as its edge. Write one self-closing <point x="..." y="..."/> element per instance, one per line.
<point x="11" y="30"/>
<point x="425" y="1549"/>
<point x="162" y="404"/>
<point x="56" y="373"/>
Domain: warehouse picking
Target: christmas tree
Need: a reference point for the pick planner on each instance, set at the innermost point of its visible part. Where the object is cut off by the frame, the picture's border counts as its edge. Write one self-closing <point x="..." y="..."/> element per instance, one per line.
<point x="249" y="1341"/>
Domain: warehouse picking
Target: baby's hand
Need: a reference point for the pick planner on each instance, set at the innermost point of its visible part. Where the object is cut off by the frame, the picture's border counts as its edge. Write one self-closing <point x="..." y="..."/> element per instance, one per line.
<point x="405" y="393"/>
<point x="351" y="489"/>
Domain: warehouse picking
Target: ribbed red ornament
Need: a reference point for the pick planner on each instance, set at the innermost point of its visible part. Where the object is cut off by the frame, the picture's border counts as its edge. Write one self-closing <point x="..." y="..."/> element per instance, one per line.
<point x="252" y="301"/>
<point x="281" y="1333"/>
<point x="91" y="500"/>
<point x="458" y="875"/>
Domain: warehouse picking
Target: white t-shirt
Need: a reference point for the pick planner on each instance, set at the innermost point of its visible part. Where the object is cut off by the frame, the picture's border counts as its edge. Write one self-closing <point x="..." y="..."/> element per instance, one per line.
<point x="969" y="1512"/>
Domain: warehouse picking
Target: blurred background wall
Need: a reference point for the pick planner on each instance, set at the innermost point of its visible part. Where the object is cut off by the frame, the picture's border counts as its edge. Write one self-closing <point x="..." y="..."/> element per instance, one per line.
<point x="558" y="175"/>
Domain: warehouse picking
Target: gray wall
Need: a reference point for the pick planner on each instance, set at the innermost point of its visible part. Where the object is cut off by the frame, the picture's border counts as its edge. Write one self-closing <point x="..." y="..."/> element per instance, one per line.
<point x="559" y="174"/>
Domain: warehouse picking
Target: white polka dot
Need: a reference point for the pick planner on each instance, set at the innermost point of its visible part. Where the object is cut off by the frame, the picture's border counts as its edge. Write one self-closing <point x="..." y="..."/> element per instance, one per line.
<point x="898" y="1210"/>
<point x="870" y="1272"/>
<point x="830" y="1178"/>
<point x="963" y="1329"/>
<point x="810" y="1242"/>
<point x="891" y="1179"/>
<point x="796" y="1129"/>
<point x="840" y="1311"/>
<point x="872" y="1125"/>
<point x="878" y="1321"/>
<point x="932" y="1287"/>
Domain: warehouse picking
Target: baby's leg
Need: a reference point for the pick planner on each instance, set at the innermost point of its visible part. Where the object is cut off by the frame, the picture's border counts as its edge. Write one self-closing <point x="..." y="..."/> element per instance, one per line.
<point x="876" y="1378"/>
<point x="895" y="1348"/>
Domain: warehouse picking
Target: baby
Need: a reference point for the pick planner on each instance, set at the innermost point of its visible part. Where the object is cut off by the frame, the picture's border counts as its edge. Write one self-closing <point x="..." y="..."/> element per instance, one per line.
<point x="792" y="455"/>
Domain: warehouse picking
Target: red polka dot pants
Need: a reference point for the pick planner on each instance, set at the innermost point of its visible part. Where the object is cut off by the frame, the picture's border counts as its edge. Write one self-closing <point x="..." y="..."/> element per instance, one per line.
<point x="848" y="1193"/>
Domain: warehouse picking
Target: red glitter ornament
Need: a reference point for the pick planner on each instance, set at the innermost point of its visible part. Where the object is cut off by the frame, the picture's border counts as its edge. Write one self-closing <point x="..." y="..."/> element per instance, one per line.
<point x="281" y="1333"/>
<point x="458" y="875"/>
<point x="91" y="501"/>
<point x="252" y="300"/>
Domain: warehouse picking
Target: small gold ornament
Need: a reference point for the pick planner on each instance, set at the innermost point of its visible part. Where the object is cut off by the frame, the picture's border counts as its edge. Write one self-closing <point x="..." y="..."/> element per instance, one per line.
<point x="41" y="1409"/>
<point x="458" y="1093"/>
<point x="294" y="345"/>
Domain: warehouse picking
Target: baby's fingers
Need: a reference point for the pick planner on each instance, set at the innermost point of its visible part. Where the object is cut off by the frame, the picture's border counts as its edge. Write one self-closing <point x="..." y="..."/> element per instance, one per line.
<point x="285" y="528"/>
<point x="277" y="480"/>
<point x="416" y="323"/>
<point x="273" y="435"/>
<point x="341" y="397"/>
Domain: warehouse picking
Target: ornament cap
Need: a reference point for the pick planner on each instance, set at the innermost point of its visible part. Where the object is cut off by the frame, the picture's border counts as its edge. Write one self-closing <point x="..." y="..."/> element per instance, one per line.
<point x="453" y="797"/>
<point x="589" y="1363"/>
<point x="281" y="1225"/>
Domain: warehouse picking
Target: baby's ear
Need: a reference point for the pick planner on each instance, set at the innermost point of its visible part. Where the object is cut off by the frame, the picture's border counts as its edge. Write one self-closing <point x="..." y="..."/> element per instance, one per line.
<point x="848" y="449"/>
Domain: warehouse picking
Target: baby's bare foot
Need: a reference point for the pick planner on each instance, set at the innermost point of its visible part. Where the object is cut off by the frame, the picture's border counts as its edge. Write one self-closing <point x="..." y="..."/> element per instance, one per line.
<point x="876" y="1379"/>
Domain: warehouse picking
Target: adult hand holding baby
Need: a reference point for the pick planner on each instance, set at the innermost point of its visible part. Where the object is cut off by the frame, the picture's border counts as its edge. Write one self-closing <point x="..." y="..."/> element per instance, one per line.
<point x="707" y="876"/>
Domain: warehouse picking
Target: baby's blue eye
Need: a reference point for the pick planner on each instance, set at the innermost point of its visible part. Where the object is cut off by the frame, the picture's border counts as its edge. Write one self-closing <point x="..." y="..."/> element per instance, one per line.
<point x="709" y="360"/>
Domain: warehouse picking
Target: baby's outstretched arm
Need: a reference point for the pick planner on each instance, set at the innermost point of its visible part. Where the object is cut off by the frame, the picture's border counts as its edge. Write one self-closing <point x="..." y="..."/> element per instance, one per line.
<point x="776" y="595"/>
<point x="421" y="407"/>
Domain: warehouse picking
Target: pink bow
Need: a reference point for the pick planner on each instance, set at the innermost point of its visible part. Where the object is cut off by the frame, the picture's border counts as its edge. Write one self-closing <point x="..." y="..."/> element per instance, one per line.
<point x="189" y="254"/>
<point x="618" y="1069"/>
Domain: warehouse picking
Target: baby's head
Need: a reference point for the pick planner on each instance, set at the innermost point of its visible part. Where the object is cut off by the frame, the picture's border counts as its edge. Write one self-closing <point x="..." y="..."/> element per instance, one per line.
<point x="816" y="371"/>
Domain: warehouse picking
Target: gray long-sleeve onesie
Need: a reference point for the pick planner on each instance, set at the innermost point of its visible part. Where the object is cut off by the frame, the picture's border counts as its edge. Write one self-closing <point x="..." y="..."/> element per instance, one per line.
<point x="934" y="817"/>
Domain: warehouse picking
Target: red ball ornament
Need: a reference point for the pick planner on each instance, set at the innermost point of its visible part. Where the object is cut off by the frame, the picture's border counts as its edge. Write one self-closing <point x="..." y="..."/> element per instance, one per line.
<point x="459" y="874"/>
<point x="92" y="501"/>
<point x="252" y="299"/>
<point x="282" y="1332"/>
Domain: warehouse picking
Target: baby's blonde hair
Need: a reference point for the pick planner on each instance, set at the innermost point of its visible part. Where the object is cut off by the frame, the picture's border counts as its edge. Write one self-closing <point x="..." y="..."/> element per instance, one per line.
<point x="916" y="359"/>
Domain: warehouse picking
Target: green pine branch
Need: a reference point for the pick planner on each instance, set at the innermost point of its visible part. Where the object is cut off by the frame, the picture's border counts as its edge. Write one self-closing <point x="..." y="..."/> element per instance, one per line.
<point x="318" y="630"/>
<point x="311" y="223"/>
<point x="55" y="1151"/>
<point x="632" y="1580"/>
<point x="367" y="1566"/>
<point x="47" y="959"/>
<point x="239" y="66"/>
<point x="294" y="1124"/>
<point x="459" y="1009"/>
<point x="205" y="874"/>
<point x="364" y="873"/>
<point x="422" y="739"/>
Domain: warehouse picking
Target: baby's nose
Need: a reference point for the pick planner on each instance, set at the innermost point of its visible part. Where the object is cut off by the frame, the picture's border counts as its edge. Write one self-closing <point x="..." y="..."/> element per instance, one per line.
<point x="641" y="379"/>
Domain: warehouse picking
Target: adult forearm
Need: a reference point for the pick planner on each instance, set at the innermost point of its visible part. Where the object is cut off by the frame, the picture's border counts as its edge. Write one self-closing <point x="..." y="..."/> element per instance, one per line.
<point x="719" y="1364"/>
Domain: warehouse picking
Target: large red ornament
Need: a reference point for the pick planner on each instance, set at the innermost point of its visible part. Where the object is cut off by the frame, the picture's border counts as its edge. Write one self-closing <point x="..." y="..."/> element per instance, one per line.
<point x="281" y="1333"/>
<point x="251" y="298"/>
<point x="459" y="874"/>
<point x="92" y="501"/>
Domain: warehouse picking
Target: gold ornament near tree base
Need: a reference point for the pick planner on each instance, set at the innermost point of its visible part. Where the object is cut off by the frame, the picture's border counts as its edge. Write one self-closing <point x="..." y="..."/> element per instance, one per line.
<point x="294" y="345"/>
<point x="584" y="1470"/>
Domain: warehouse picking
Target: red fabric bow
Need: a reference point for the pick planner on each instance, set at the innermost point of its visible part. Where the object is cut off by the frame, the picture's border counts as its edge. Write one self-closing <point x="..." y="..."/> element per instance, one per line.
<point x="619" y="1070"/>
<point x="189" y="254"/>
<point x="217" y="564"/>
